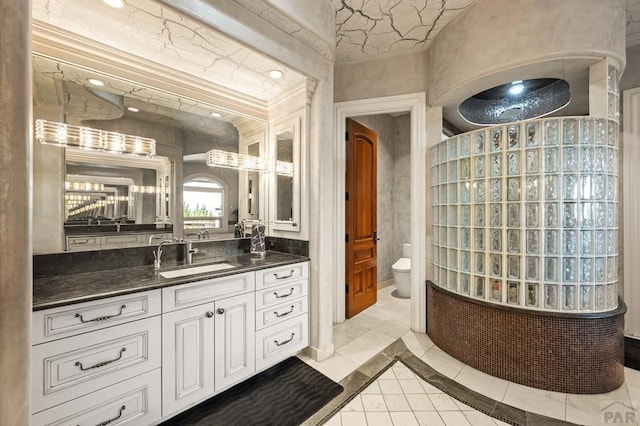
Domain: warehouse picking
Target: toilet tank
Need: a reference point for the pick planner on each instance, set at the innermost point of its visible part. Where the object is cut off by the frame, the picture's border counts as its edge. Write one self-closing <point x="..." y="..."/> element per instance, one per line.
<point x="406" y="250"/>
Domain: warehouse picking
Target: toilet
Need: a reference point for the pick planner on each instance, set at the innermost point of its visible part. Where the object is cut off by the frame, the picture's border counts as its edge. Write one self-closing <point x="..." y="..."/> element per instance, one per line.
<point x="402" y="272"/>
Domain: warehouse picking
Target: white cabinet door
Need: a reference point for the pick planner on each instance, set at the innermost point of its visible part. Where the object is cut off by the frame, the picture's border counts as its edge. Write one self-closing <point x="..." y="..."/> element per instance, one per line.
<point x="187" y="357"/>
<point x="235" y="340"/>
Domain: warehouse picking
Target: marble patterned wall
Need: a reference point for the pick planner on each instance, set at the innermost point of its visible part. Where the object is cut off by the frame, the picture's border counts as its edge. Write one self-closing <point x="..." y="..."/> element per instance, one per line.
<point x="393" y="187"/>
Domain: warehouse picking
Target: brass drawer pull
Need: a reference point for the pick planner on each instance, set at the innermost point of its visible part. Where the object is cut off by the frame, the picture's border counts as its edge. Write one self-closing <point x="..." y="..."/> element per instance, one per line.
<point x="285" y="342"/>
<point x="284" y="314"/>
<point x="101" y="364"/>
<point x="278" y="277"/>
<point x="281" y="296"/>
<point x="106" y="422"/>
<point x="101" y="318"/>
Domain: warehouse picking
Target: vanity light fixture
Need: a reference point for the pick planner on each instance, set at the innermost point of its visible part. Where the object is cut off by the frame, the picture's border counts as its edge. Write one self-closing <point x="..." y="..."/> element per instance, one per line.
<point x="133" y="109"/>
<point x="83" y="186"/>
<point x="117" y="4"/>
<point x="215" y="114"/>
<point x="145" y="189"/>
<point x="234" y="160"/>
<point x="67" y="135"/>
<point x="284" y="168"/>
<point x="276" y="74"/>
<point x="95" y="82"/>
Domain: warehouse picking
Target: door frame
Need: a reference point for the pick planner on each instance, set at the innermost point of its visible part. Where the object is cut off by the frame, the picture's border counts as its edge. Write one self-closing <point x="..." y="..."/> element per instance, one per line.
<point x="416" y="105"/>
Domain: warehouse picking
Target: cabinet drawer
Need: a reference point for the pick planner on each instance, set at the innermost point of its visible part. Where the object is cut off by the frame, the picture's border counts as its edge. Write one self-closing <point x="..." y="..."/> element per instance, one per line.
<point x="133" y="402"/>
<point x="55" y="323"/>
<point x="120" y="241"/>
<point x="281" y="294"/>
<point x="281" y="274"/>
<point x="72" y="367"/>
<point x="204" y="291"/>
<point x="282" y="312"/>
<point x="83" y="243"/>
<point x="273" y="344"/>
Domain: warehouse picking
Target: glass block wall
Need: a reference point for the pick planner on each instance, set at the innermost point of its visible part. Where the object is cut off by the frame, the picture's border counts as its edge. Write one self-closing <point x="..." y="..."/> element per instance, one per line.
<point x="525" y="214"/>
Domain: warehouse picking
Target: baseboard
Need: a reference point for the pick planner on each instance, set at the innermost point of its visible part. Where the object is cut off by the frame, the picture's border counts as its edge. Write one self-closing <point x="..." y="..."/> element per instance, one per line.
<point x="632" y="352"/>
<point x="320" y="354"/>
<point x="386" y="283"/>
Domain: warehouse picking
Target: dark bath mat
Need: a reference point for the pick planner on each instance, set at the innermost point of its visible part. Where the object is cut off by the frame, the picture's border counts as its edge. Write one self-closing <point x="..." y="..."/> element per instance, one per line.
<point x="285" y="394"/>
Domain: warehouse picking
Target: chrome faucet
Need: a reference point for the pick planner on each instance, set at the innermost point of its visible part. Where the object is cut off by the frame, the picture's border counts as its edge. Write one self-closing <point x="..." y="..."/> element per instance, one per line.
<point x="157" y="254"/>
<point x="189" y="251"/>
<point x="204" y="234"/>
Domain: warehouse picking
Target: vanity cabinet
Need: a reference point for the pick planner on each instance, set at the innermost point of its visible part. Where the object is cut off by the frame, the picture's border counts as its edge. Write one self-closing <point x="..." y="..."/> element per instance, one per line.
<point x="105" y="354"/>
<point x="206" y="348"/>
<point x="143" y="357"/>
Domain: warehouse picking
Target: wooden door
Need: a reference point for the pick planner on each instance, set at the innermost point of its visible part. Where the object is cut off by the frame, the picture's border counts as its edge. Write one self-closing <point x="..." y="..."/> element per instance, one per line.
<point x="361" y="221"/>
<point x="235" y="340"/>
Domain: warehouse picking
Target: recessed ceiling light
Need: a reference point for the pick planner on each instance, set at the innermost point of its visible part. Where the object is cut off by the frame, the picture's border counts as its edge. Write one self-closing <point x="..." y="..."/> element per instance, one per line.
<point x="114" y="3"/>
<point x="133" y="109"/>
<point x="276" y="74"/>
<point x="516" y="88"/>
<point x="216" y="114"/>
<point x="95" y="82"/>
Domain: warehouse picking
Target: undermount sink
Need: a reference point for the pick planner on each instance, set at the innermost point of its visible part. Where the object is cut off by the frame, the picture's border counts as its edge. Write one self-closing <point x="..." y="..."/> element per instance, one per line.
<point x="196" y="270"/>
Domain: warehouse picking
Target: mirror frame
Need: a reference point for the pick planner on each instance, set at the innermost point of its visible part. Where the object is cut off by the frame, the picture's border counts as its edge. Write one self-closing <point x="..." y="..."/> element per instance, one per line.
<point x="292" y="225"/>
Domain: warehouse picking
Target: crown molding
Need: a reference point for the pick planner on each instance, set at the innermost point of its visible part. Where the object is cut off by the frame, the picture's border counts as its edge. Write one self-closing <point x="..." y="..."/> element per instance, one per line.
<point x="56" y="43"/>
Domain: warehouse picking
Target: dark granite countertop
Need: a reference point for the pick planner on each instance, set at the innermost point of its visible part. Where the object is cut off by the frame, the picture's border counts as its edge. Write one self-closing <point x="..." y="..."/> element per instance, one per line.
<point x="62" y="290"/>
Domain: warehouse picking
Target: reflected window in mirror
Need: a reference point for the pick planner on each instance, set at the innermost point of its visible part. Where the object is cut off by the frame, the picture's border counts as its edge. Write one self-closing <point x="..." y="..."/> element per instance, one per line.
<point x="204" y="201"/>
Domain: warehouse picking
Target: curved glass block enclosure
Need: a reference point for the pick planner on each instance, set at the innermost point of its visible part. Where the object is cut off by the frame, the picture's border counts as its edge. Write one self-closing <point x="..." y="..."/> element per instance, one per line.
<point x="525" y="214"/>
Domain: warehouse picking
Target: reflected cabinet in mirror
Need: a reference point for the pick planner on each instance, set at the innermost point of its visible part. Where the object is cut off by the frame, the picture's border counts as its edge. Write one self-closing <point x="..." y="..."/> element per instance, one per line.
<point x="286" y="200"/>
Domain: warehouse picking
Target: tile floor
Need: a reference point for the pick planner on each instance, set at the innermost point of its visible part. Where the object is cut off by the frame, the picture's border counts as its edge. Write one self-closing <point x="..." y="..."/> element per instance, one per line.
<point x="395" y="398"/>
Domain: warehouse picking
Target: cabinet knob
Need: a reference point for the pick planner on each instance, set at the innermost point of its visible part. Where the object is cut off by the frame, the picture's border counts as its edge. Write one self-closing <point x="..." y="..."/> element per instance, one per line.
<point x="221" y="311"/>
<point x="209" y="314"/>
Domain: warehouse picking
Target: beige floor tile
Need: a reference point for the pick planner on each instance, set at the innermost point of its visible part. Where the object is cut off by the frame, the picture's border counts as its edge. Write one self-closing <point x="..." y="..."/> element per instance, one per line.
<point x="404" y="418"/>
<point x="397" y="403"/>
<point x="334" y="421"/>
<point x="378" y="419"/>
<point x="353" y="418"/>
<point x="388" y="387"/>
<point x="402" y="372"/>
<point x="454" y="418"/>
<point x="443" y="402"/>
<point x="419" y="402"/>
<point x="588" y="409"/>
<point x="336" y="367"/>
<point x="350" y="329"/>
<point x="442" y="362"/>
<point x="476" y="418"/>
<point x="411" y="386"/>
<point x="546" y="403"/>
<point x="373" y="403"/>
<point x="340" y="339"/>
<point x="388" y="375"/>
<point x="429" y="418"/>
<point x="428" y="388"/>
<point x="463" y="407"/>
<point x="483" y="383"/>
<point x="417" y="343"/>
<point x="354" y="405"/>
<point x="372" y="389"/>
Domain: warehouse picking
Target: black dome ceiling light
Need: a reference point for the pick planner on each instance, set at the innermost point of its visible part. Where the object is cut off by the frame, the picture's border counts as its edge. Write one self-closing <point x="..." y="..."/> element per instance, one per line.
<point x="518" y="100"/>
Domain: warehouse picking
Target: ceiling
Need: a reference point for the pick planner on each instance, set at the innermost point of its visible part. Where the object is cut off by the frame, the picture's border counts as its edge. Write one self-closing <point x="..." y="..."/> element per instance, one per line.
<point x="371" y="29"/>
<point x="365" y="29"/>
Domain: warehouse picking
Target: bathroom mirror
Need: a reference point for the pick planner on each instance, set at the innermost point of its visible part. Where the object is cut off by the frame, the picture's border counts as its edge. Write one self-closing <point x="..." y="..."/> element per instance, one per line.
<point x="285" y="202"/>
<point x="134" y="190"/>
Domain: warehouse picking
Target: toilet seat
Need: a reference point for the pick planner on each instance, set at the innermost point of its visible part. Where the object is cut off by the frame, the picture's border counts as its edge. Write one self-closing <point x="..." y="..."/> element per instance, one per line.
<point x="402" y="265"/>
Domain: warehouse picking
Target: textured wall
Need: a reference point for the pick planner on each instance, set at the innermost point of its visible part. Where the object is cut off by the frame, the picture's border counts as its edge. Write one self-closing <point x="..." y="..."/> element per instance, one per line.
<point x="631" y="76"/>
<point x="485" y="40"/>
<point x="385" y="77"/>
<point x="15" y="211"/>
<point x="394" y="145"/>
